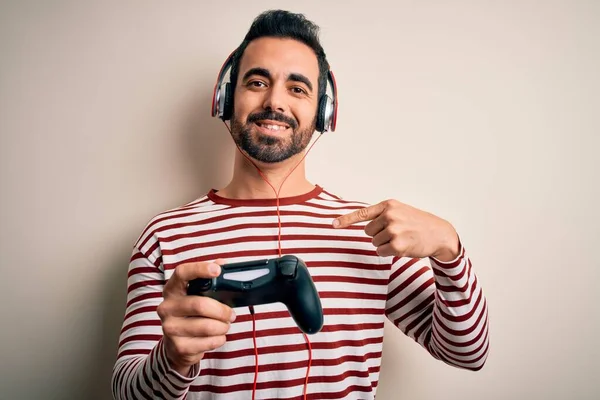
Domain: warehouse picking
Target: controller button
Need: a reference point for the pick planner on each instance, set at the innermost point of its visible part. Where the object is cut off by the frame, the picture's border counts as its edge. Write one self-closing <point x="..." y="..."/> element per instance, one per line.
<point x="288" y="269"/>
<point x="246" y="285"/>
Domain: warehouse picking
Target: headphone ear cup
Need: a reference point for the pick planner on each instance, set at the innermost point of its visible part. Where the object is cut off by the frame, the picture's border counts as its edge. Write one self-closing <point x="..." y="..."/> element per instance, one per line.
<point x="227" y="103"/>
<point x="321" y="117"/>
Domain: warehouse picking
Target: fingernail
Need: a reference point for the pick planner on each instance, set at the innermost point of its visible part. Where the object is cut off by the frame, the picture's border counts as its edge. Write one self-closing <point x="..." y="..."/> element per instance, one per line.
<point x="336" y="223"/>
<point x="214" y="269"/>
<point x="233" y="316"/>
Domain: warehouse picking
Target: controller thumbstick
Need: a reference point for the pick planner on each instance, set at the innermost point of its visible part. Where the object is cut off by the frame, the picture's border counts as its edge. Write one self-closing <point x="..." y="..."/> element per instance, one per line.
<point x="199" y="285"/>
<point x="288" y="266"/>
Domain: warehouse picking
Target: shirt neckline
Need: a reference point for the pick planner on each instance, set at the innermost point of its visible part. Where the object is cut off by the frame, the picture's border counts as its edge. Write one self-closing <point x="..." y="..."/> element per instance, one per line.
<point x="283" y="201"/>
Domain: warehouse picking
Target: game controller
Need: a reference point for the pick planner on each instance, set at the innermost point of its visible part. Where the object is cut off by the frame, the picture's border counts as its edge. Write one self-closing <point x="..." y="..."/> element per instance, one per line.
<point x="285" y="279"/>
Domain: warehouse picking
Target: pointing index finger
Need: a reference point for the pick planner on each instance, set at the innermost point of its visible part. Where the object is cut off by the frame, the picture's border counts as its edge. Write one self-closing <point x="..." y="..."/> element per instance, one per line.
<point x="364" y="214"/>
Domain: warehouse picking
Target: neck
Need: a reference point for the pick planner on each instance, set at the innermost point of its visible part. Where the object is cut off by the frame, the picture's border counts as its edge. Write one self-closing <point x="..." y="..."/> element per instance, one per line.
<point x="247" y="183"/>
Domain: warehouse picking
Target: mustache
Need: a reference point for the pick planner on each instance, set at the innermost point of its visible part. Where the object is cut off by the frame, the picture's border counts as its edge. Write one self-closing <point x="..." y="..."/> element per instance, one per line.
<point x="274" y="116"/>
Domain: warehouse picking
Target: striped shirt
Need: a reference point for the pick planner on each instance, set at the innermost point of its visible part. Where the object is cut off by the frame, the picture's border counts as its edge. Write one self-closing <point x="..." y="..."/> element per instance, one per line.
<point x="438" y="304"/>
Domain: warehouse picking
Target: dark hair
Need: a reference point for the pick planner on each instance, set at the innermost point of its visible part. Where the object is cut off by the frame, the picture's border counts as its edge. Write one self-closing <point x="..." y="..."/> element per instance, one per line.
<point x="283" y="24"/>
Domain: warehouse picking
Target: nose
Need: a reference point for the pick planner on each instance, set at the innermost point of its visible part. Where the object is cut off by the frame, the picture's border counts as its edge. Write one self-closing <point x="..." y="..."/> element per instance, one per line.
<point x="275" y="99"/>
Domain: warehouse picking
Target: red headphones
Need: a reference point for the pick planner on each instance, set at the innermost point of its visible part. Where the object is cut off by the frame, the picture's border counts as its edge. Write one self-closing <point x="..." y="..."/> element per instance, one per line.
<point x="222" y="101"/>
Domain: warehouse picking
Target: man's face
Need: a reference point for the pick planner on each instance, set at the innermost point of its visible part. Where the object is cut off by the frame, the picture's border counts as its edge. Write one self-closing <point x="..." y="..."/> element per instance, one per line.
<point x="275" y="99"/>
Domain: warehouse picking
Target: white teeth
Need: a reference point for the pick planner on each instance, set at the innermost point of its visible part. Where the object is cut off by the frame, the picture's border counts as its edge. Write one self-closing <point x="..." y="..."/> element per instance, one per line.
<point x="274" y="127"/>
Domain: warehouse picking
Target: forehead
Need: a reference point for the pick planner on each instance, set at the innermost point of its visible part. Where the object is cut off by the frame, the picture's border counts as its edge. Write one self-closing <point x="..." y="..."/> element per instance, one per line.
<point x="280" y="57"/>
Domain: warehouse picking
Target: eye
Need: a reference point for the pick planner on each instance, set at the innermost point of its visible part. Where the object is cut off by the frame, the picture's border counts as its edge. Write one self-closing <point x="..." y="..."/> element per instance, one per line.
<point x="298" y="90"/>
<point x="256" y="84"/>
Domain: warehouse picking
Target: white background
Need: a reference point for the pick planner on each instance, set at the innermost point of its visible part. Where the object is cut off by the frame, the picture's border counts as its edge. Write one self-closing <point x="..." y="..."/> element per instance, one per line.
<point x="483" y="112"/>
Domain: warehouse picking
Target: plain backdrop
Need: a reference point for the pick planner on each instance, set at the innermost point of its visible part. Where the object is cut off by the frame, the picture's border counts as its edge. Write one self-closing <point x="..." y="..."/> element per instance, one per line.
<point x="483" y="112"/>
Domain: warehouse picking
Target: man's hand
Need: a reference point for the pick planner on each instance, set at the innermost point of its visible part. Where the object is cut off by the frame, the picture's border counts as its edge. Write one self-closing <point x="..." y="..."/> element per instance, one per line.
<point x="192" y="325"/>
<point x="400" y="230"/>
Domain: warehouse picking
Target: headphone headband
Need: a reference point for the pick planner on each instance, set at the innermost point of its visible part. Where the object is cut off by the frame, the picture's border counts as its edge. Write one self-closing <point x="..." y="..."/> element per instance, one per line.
<point x="222" y="100"/>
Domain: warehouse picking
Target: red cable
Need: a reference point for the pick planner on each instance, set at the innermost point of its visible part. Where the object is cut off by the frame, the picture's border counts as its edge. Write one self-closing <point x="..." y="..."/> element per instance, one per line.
<point x="309" y="363"/>
<point x="255" y="351"/>
<point x="277" y="192"/>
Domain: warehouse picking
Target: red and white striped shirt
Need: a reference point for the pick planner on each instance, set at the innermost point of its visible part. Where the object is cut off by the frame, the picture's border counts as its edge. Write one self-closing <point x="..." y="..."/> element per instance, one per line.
<point x="440" y="305"/>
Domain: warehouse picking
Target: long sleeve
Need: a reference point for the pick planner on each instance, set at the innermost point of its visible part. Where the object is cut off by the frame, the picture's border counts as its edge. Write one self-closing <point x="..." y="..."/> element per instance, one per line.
<point x="442" y="307"/>
<point x="141" y="370"/>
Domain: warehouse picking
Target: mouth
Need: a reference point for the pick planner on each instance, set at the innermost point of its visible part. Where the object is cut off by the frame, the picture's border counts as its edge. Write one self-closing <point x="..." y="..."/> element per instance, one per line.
<point x="271" y="127"/>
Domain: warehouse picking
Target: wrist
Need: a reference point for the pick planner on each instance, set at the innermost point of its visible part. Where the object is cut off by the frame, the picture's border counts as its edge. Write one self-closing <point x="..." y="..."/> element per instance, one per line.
<point x="450" y="246"/>
<point x="183" y="369"/>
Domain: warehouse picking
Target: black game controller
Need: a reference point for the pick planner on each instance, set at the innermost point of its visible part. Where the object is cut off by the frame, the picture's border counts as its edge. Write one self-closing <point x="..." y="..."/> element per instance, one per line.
<point x="285" y="279"/>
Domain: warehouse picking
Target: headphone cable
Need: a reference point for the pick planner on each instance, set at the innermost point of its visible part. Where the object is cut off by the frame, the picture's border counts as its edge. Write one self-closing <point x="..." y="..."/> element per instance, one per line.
<point x="277" y="192"/>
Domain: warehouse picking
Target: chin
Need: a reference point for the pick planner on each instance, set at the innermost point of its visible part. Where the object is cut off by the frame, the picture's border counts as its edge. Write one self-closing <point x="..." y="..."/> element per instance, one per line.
<point x="267" y="155"/>
<point x="268" y="148"/>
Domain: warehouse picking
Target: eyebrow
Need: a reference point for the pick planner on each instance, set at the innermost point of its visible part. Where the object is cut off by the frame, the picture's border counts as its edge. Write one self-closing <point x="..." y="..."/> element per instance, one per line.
<point x="257" y="71"/>
<point x="293" y="77"/>
<point x="301" y="78"/>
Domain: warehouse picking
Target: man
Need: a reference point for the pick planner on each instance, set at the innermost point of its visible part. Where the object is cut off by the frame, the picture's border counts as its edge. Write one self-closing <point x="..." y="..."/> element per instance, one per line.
<point x="368" y="262"/>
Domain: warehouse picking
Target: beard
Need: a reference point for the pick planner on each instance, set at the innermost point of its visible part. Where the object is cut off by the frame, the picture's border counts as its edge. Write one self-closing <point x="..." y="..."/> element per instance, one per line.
<point x="270" y="149"/>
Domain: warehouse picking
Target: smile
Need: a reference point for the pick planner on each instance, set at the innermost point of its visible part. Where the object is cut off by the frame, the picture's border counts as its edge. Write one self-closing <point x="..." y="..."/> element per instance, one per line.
<point x="271" y="126"/>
